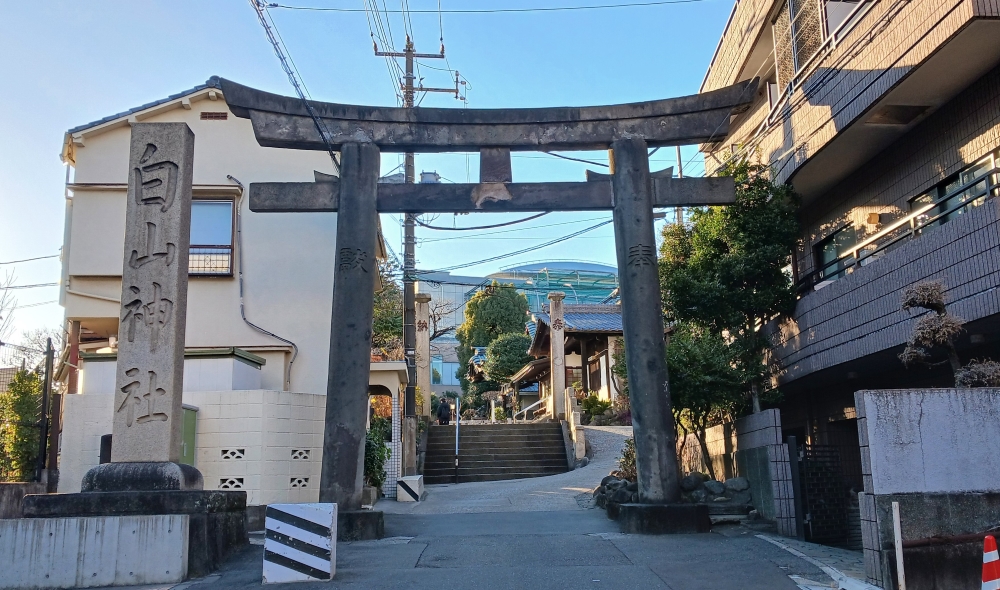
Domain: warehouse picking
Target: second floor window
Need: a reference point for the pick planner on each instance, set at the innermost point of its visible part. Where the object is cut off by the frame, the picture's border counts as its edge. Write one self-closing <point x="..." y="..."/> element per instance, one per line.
<point x="211" y="238"/>
<point x="831" y="250"/>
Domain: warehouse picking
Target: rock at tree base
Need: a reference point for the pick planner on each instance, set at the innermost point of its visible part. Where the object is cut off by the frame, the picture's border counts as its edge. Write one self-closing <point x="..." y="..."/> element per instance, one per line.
<point x="715" y="487"/>
<point x="737" y="484"/>
<point x="693" y="481"/>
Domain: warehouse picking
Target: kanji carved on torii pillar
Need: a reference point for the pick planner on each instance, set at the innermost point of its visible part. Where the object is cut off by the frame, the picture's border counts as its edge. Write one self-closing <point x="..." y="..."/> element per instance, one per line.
<point x="631" y="192"/>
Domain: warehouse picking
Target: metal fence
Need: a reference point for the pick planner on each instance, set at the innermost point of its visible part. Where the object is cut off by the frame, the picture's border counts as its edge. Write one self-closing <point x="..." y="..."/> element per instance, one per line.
<point x="19" y="361"/>
<point x="830" y="479"/>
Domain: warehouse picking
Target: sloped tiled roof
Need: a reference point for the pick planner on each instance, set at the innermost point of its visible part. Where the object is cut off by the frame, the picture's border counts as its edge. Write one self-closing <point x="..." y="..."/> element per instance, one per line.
<point x="212" y="82"/>
<point x="587" y="318"/>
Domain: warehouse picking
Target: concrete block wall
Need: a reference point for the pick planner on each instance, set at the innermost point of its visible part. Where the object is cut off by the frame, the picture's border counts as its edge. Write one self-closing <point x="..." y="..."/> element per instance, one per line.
<point x="267" y="443"/>
<point x="931" y="450"/>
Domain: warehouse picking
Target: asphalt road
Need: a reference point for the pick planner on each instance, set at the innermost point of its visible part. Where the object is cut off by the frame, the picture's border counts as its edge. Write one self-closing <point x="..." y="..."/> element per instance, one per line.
<point x="541" y="551"/>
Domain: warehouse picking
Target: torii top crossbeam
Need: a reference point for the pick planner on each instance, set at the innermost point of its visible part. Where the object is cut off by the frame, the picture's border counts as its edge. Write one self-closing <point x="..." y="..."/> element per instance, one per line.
<point x="284" y="122"/>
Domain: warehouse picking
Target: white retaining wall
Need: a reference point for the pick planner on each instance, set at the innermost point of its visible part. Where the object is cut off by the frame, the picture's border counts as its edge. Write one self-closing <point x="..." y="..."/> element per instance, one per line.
<point x="93" y="552"/>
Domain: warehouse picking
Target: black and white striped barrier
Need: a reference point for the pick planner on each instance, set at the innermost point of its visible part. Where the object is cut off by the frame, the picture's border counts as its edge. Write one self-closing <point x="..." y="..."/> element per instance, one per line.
<point x="300" y="542"/>
<point x="409" y="488"/>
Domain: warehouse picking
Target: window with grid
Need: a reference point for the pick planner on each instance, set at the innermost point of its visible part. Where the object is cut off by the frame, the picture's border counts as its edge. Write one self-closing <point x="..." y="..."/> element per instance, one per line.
<point x="211" y="238"/>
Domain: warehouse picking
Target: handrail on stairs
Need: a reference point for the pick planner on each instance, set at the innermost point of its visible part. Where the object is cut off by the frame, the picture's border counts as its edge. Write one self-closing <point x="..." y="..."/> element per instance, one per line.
<point x="525" y="410"/>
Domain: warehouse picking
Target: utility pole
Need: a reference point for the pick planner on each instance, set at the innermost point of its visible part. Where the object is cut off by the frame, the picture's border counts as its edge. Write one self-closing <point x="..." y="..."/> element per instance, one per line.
<point x="409" y="258"/>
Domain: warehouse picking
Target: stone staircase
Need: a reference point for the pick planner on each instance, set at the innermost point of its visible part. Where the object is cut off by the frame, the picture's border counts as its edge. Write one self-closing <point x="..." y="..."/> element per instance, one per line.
<point x="495" y="452"/>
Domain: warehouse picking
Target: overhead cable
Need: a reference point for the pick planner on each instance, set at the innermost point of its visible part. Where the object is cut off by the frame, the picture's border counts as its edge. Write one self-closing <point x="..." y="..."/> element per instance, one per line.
<point x="523" y="251"/>
<point x="30" y="259"/>
<point x="516" y="221"/>
<point x="493" y="10"/>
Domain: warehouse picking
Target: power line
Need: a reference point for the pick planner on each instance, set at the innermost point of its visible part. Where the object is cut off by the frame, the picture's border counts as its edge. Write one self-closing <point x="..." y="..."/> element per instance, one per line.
<point x="30" y="259"/>
<point x="516" y="221"/>
<point x="576" y="159"/>
<point x="493" y="10"/>
<point x="508" y="231"/>
<point x="280" y="50"/>
<point x="36" y="285"/>
<point x="523" y="251"/>
<point x="36" y="304"/>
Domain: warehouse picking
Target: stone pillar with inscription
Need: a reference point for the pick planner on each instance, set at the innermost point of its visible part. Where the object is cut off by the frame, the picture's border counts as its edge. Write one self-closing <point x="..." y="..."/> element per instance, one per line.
<point x="351" y="329"/>
<point x="557" y="352"/>
<point x="146" y="433"/>
<point x="645" y="347"/>
<point x="424" y="350"/>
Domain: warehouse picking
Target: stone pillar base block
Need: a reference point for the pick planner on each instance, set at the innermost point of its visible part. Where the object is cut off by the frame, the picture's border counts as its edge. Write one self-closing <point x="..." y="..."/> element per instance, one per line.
<point x="360" y="525"/>
<point x="662" y="519"/>
<point x="217" y="523"/>
<point x="141" y="477"/>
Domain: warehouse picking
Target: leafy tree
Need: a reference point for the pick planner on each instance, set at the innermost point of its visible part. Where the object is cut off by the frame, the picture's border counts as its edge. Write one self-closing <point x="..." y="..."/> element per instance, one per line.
<point x="705" y="386"/>
<point x="490" y="313"/>
<point x="506" y="355"/>
<point x="376" y="451"/>
<point x="387" y="321"/>
<point x="726" y="271"/>
<point x="19" y="414"/>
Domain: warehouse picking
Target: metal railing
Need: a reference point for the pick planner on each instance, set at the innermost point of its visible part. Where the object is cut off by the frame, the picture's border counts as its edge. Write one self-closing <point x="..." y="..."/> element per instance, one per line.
<point x="870" y="249"/>
<point x="210" y="260"/>
<point x="531" y="407"/>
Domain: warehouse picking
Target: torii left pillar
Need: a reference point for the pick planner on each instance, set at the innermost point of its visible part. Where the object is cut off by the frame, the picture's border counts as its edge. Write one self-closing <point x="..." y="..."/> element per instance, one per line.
<point x="351" y="329"/>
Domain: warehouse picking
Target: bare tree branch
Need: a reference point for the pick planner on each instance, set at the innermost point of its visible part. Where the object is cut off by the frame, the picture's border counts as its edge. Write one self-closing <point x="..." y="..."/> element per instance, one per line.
<point x="438" y="310"/>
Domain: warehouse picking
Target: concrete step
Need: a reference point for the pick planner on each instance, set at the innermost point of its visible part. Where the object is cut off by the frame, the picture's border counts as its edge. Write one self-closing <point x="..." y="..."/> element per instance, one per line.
<point x="489" y="464"/>
<point x="439" y="479"/>
<point x="494" y="470"/>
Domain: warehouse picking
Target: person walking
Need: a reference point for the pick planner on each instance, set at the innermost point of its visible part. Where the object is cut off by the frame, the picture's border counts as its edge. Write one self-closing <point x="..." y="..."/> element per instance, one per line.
<point x="444" y="412"/>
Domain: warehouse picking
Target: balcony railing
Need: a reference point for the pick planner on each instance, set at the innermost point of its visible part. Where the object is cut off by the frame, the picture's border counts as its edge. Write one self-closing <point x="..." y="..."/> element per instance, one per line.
<point x="207" y="260"/>
<point x="973" y="193"/>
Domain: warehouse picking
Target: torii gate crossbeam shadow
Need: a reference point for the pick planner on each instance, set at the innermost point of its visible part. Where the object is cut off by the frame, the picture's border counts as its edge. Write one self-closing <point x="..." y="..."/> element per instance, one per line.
<point x="631" y="192"/>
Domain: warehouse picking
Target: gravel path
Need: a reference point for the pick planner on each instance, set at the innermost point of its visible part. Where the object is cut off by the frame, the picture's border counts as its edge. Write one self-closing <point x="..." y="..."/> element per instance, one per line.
<point x="565" y="491"/>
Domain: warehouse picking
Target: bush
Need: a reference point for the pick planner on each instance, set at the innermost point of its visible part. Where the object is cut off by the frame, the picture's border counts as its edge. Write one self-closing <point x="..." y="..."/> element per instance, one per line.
<point x="979" y="374"/>
<point x="376" y="451"/>
<point x="19" y="409"/>
<point x="626" y="463"/>
<point x="595" y="406"/>
<point x="499" y="414"/>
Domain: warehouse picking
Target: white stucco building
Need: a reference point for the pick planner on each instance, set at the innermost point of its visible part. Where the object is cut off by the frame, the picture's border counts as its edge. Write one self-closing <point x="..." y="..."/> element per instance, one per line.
<point x="259" y="301"/>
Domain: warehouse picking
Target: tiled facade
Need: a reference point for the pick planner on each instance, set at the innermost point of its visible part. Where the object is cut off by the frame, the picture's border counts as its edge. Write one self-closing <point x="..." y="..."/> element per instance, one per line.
<point x="268" y="443"/>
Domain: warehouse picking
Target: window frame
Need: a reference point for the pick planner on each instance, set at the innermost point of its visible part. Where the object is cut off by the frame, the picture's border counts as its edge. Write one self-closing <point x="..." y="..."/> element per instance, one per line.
<point x="232" y="238"/>
<point x="817" y="248"/>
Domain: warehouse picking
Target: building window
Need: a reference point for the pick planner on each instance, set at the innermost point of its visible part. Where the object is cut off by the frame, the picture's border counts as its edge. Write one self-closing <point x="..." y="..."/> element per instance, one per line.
<point x="443" y="373"/>
<point x="798" y="35"/>
<point x="211" y="238"/>
<point x="830" y="253"/>
<point x="956" y="195"/>
<point x="838" y="12"/>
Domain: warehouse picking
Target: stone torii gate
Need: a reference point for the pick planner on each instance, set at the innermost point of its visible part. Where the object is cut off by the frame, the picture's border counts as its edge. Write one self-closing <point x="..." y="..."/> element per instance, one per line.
<point x="359" y="133"/>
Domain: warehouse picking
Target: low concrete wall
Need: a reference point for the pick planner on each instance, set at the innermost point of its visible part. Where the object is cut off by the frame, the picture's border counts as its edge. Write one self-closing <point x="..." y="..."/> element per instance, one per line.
<point x="11" y="495"/>
<point x="93" y="552"/>
<point x="934" y="452"/>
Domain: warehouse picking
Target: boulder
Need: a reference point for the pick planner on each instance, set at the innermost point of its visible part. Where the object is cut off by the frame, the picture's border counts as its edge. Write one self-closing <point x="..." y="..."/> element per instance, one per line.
<point x="598" y="490"/>
<point x="608" y="479"/>
<point x="714" y="487"/>
<point x="698" y="496"/>
<point x="621" y="496"/>
<point x="601" y="501"/>
<point x="633" y="486"/>
<point x="737" y="484"/>
<point x="635" y="497"/>
<point x="692" y="481"/>
<point x="583" y="462"/>
<point x="742" y="497"/>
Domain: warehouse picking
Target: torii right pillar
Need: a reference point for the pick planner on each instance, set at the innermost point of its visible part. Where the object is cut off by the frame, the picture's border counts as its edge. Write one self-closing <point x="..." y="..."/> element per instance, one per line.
<point x="642" y="318"/>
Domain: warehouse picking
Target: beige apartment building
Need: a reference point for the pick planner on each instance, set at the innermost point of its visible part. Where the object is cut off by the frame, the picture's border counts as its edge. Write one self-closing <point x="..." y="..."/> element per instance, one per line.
<point x="259" y="301"/>
<point x="884" y="115"/>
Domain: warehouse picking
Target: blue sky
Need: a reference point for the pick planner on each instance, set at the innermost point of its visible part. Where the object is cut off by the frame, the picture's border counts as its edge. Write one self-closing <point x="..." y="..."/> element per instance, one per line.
<point x="67" y="63"/>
